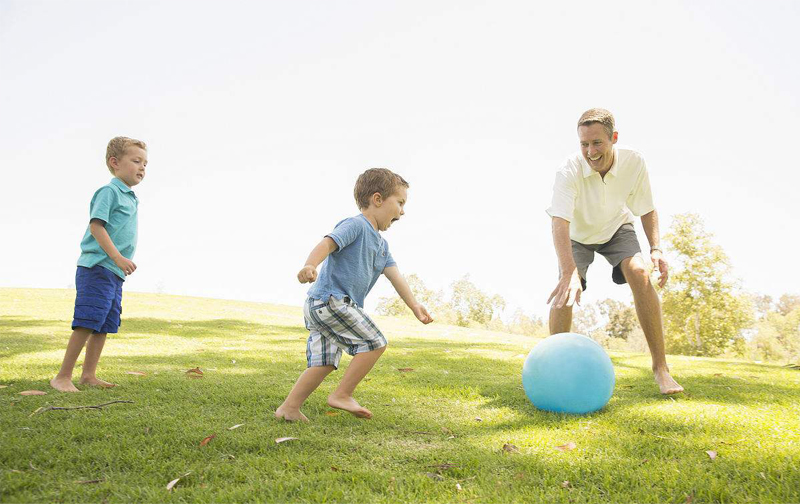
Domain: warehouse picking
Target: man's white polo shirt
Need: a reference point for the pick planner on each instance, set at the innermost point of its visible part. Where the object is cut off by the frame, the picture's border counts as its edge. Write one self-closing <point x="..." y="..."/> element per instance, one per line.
<point x="595" y="206"/>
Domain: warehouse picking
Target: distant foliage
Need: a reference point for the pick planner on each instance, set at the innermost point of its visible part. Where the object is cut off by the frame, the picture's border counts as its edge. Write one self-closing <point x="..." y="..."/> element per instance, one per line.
<point x="471" y="304"/>
<point x="704" y="312"/>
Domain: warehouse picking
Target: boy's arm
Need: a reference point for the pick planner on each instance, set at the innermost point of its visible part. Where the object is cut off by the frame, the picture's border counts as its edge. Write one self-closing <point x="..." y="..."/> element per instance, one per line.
<point x="404" y="291"/>
<point x="97" y="228"/>
<point x="323" y="249"/>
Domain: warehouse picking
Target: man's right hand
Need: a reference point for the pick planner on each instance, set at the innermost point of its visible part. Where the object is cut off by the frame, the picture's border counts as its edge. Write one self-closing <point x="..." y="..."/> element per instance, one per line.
<point x="126" y="265"/>
<point x="568" y="291"/>
<point x="308" y="274"/>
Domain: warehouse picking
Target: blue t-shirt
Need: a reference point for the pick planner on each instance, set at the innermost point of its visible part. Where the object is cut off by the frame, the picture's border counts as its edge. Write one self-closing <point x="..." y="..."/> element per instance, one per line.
<point x="115" y="204"/>
<point x="355" y="267"/>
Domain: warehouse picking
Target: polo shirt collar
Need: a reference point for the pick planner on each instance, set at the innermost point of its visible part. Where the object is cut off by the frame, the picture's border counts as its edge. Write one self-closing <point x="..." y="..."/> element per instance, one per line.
<point x="588" y="172"/>
<point x="122" y="186"/>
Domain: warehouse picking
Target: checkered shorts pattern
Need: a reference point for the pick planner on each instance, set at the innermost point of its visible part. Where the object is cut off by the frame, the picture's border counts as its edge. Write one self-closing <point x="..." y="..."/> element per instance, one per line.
<point x="336" y="326"/>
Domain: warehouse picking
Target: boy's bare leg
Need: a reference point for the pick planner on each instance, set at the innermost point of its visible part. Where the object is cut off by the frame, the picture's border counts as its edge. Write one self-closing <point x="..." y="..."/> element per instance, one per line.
<point x="63" y="380"/>
<point x="648" y="309"/>
<point x="305" y="385"/>
<point x="93" y="350"/>
<point x="342" y="397"/>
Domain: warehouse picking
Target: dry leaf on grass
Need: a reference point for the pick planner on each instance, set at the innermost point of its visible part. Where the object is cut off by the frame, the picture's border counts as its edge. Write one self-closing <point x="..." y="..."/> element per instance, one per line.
<point x="3" y="386"/>
<point x="711" y="454"/>
<point x="478" y="419"/>
<point x="510" y="448"/>
<point x="331" y="413"/>
<point x="176" y="480"/>
<point x="565" y="484"/>
<point x="207" y="439"/>
<point x="137" y="373"/>
<point x="434" y="476"/>
<point x="235" y="426"/>
<point x="567" y="447"/>
<point x="87" y="482"/>
<point x="32" y="392"/>
<point x="194" y="373"/>
<point x="284" y="439"/>
<point x="458" y="487"/>
<point x="405" y="369"/>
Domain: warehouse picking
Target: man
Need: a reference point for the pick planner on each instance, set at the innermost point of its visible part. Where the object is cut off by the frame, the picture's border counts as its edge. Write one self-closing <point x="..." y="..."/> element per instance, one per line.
<point x="596" y="195"/>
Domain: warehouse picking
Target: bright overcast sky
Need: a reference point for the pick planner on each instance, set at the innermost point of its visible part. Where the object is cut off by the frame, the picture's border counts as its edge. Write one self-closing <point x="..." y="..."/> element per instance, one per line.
<point x="259" y="116"/>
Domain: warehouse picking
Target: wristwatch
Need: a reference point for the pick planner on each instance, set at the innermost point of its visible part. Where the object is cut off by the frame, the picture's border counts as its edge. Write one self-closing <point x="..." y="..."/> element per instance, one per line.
<point x="653" y="249"/>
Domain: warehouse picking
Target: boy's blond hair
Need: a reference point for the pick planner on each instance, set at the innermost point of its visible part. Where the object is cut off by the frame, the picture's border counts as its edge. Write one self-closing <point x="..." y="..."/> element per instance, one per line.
<point x="116" y="148"/>
<point x="598" y="115"/>
<point x="376" y="180"/>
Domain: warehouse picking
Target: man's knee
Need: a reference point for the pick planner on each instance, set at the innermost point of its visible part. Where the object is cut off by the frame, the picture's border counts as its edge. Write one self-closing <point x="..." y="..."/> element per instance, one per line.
<point x="637" y="274"/>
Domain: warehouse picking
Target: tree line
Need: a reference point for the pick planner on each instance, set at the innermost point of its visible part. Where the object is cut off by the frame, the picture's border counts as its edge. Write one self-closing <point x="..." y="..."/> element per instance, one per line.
<point x="706" y="311"/>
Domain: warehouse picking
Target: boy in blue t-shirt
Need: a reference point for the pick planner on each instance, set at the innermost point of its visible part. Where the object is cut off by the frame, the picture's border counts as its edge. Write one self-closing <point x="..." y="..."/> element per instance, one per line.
<point x="355" y="255"/>
<point x="106" y="259"/>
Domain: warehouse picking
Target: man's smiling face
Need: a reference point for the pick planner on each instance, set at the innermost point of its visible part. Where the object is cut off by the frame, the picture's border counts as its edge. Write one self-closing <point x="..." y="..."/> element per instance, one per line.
<point x="597" y="147"/>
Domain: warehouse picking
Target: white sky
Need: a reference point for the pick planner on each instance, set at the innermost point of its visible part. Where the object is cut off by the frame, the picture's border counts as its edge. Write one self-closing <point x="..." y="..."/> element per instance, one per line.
<point x="260" y="115"/>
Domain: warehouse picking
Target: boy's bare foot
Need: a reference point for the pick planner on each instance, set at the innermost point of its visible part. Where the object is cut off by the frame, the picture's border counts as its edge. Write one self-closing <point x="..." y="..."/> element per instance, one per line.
<point x="96" y="382"/>
<point x="290" y="415"/>
<point x="63" y="385"/>
<point x="666" y="383"/>
<point x="350" y="405"/>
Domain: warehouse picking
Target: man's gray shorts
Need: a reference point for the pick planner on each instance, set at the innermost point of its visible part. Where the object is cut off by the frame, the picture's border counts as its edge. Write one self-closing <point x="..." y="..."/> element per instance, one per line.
<point x="622" y="245"/>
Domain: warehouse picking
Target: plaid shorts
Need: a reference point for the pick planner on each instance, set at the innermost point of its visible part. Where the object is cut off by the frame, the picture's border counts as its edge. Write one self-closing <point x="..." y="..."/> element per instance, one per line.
<point x="337" y="325"/>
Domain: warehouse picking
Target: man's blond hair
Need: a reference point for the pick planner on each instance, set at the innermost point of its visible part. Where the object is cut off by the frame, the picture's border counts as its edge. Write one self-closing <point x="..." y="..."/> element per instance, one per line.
<point x="598" y="115"/>
<point x="376" y="180"/>
<point x="116" y="148"/>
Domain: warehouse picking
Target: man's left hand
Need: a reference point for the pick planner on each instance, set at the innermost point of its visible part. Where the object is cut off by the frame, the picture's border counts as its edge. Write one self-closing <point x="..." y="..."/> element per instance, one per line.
<point x="661" y="264"/>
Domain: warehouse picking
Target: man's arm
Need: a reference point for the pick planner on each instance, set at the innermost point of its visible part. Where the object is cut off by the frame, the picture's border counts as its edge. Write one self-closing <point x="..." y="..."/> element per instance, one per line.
<point x="568" y="291"/>
<point x="97" y="228"/>
<point x="404" y="291"/>
<point x="650" y="225"/>
<point x="323" y="249"/>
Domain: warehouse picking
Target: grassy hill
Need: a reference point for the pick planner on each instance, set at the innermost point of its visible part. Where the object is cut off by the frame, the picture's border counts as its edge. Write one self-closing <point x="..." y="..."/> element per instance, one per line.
<point x="438" y="434"/>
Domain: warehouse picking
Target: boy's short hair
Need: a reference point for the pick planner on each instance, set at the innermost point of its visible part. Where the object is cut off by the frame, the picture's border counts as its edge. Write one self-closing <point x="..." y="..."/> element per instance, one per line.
<point x="116" y="148"/>
<point x="598" y="115"/>
<point x="376" y="180"/>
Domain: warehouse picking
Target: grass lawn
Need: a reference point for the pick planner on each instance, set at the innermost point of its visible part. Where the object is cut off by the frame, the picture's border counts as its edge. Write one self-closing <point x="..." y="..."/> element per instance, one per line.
<point x="438" y="434"/>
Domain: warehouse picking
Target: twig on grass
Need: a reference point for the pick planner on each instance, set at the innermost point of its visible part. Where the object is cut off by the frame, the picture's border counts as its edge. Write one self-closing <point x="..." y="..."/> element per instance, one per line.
<point x="98" y="406"/>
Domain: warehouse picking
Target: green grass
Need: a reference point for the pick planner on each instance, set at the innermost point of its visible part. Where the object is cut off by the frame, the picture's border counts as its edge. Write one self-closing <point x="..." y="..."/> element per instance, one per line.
<point x="425" y="438"/>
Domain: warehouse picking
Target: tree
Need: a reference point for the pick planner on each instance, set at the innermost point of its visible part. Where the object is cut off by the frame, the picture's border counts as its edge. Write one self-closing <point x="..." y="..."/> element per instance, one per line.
<point x="472" y="304"/>
<point x="621" y="317"/>
<point x="704" y="312"/>
<point x="788" y="303"/>
<point x="395" y="306"/>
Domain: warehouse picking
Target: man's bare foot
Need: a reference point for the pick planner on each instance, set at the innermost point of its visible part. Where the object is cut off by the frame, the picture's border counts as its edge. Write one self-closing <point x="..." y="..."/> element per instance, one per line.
<point x="290" y="415"/>
<point x="350" y="405"/>
<point x="96" y="382"/>
<point x="63" y="385"/>
<point x="666" y="383"/>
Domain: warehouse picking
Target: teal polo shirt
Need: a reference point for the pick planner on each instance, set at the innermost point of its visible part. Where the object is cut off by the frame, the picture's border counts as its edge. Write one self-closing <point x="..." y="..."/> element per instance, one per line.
<point x="117" y="206"/>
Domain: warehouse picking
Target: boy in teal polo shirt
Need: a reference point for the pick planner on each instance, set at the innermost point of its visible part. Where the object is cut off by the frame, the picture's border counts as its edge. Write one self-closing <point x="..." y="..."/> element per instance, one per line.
<point x="106" y="259"/>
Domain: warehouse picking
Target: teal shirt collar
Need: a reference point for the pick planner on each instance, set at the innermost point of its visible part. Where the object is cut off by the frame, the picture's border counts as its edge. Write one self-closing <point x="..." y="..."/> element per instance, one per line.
<point x="122" y="186"/>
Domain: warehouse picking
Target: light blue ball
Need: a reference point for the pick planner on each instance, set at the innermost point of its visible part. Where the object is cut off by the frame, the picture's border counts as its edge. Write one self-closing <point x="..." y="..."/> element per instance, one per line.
<point x="568" y="373"/>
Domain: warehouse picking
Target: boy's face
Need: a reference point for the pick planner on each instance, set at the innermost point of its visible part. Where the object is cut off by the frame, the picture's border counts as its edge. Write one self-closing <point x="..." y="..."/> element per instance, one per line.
<point x="130" y="167"/>
<point x="391" y="208"/>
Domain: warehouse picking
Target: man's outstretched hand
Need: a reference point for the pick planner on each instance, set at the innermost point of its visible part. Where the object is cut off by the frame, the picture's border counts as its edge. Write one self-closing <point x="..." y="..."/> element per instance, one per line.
<point x="661" y="265"/>
<point x="567" y="292"/>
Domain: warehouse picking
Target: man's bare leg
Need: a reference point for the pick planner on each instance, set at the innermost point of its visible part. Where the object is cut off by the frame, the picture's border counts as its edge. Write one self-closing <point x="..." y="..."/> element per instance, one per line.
<point x="342" y="397"/>
<point x="648" y="309"/>
<point x="307" y="383"/>
<point x="63" y="380"/>
<point x="93" y="350"/>
<point x="560" y="319"/>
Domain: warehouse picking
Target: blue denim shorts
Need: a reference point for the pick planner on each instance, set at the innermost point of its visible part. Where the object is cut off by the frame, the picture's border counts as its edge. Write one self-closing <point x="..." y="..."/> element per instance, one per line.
<point x="98" y="303"/>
